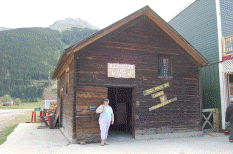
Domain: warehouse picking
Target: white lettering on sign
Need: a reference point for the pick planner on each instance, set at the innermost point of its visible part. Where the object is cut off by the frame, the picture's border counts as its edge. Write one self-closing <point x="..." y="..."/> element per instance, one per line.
<point x="116" y="70"/>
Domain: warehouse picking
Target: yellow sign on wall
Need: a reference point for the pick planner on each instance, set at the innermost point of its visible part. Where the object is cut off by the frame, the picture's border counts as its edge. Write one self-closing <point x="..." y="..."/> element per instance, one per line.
<point x="163" y="98"/>
<point x="157" y="94"/>
<point x="161" y="95"/>
<point x="155" y="89"/>
<point x="163" y="104"/>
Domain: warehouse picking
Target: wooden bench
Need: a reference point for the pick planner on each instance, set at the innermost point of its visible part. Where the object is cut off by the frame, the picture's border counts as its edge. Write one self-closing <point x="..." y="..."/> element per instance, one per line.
<point x="47" y="113"/>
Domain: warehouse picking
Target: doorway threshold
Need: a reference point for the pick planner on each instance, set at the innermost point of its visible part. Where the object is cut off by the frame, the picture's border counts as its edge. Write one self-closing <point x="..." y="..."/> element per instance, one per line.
<point x="115" y="136"/>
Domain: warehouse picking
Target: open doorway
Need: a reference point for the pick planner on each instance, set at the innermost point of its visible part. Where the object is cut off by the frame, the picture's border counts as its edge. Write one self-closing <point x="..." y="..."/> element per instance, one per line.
<point x="120" y="99"/>
<point x="230" y="87"/>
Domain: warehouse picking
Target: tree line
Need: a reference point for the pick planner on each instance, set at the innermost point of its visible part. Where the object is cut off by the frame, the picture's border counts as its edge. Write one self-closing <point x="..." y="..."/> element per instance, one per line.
<point x="28" y="54"/>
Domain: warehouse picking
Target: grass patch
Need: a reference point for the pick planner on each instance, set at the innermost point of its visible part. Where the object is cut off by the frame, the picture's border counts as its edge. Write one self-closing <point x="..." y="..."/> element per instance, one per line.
<point x="7" y="131"/>
<point x="28" y="105"/>
<point x="22" y="118"/>
<point x="12" y="123"/>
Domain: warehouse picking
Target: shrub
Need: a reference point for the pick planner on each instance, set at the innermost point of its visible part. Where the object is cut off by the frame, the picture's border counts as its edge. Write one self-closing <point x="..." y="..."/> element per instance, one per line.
<point x="17" y="101"/>
<point x="6" y="100"/>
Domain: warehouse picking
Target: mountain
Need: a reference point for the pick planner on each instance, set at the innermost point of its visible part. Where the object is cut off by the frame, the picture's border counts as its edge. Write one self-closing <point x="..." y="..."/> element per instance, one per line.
<point x="4" y="28"/>
<point x="69" y="23"/>
<point x="73" y="35"/>
<point x="28" y="54"/>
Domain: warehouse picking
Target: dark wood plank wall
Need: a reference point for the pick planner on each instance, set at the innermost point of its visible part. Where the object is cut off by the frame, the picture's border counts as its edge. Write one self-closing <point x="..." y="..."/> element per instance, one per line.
<point x="87" y="127"/>
<point x="68" y="100"/>
<point x="140" y="44"/>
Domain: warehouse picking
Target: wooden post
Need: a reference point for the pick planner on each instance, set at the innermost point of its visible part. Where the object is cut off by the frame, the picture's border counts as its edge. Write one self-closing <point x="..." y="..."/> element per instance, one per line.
<point x="223" y="47"/>
<point x="34" y="114"/>
<point x="216" y="120"/>
<point x="32" y="117"/>
<point x="214" y="112"/>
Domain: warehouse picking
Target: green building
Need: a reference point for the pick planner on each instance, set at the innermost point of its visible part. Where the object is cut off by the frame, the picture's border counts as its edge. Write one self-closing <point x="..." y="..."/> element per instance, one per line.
<point x="208" y="26"/>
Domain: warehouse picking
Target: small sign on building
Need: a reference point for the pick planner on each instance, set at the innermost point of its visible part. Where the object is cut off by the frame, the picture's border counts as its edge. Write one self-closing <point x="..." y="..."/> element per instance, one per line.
<point x="117" y="70"/>
<point x="92" y="107"/>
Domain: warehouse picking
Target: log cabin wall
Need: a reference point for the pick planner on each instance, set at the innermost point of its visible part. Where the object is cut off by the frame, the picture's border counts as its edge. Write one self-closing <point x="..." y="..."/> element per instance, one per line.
<point x="140" y="42"/>
<point x="66" y="93"/>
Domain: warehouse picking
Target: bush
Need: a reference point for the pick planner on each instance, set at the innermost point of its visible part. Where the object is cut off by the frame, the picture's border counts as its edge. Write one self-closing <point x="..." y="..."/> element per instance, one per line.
<point x="6" y="100"/>
<point x="17" y="101"/>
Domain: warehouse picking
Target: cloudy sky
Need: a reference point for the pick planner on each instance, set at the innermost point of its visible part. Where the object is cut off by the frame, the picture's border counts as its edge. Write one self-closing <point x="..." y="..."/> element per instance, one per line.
<point x="100" y="13"/>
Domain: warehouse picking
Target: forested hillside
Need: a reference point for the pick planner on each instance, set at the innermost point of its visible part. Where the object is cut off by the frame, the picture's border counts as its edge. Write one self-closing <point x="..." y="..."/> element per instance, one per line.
<point x="27" y="55"/>
<point x="74" y="35"/>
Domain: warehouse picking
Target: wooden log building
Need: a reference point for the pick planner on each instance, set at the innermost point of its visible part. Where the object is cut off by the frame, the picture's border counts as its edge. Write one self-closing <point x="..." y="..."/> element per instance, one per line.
<point x="139" y="61"/>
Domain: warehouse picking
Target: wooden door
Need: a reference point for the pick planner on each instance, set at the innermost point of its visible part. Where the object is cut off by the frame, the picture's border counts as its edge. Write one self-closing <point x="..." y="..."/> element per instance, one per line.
<point x="133" y="113"/>
<point x="87" y="127"/>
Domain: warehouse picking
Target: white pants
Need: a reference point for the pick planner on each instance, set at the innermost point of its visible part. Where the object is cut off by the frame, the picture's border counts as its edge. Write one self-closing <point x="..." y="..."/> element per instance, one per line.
<point x="104" y="126"/>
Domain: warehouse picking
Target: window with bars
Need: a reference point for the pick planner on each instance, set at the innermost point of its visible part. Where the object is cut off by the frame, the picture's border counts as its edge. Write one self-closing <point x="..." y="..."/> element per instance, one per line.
<point x="164" y="66"/>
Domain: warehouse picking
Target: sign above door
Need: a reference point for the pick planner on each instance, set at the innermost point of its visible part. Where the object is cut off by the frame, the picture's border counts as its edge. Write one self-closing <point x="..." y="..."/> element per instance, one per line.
<point x="117" y="70"/>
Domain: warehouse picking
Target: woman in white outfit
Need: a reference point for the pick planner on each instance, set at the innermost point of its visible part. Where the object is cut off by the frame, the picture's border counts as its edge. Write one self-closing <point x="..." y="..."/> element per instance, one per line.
<point x="106" y="117"/>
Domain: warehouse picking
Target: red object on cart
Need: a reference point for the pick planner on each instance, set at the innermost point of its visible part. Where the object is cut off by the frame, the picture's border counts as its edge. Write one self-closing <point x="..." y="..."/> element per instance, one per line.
<point x="33" y="119"/>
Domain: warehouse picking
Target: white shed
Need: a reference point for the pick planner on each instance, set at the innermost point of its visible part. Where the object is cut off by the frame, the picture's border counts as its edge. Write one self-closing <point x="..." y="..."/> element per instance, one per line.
<point x="50" y="99"/>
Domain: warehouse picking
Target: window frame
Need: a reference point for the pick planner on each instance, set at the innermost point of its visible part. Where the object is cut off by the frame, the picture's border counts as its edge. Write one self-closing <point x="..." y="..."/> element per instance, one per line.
<point x="163" y="75"/>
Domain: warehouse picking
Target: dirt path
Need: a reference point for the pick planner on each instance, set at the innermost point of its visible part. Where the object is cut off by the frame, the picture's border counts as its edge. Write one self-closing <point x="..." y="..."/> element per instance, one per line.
<point x="10" y="117"/>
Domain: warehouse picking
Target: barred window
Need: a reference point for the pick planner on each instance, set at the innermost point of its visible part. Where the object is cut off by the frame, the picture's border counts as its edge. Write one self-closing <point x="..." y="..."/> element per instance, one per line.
<point x="164" y="66"/>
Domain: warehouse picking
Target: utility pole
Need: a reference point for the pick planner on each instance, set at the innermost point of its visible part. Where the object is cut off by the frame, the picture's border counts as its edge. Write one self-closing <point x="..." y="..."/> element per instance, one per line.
<point x="49" y="82"/>
<point x="49" y="75"/>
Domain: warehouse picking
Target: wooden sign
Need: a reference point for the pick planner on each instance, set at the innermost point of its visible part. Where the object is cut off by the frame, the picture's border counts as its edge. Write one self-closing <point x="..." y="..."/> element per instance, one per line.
<point x="157" y="94"/>
<point x="163" y="104"/>
<point x="155" y="89"/>
<point x="161" y="95"/>
<point x="163" y="98"/>
<point x="116" y="70"/>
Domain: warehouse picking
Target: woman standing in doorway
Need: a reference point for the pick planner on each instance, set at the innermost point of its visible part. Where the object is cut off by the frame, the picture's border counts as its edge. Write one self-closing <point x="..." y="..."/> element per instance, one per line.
<point x="106" y="117"/>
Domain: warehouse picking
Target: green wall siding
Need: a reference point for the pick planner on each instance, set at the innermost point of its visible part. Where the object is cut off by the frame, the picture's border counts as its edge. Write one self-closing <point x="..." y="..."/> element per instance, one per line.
<point x="198" y="25"/>
<point x="211" y="88"/>
<point x="226" y="8"/>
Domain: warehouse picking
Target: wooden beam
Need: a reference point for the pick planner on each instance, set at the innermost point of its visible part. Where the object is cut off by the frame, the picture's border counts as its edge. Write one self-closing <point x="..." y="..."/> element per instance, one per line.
<point x="65" y="65"/>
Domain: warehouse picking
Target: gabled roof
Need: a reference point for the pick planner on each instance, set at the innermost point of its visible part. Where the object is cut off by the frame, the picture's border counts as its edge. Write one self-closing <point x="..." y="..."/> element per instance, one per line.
<point x="50" y="97"/>
<point x="145" y="11"/>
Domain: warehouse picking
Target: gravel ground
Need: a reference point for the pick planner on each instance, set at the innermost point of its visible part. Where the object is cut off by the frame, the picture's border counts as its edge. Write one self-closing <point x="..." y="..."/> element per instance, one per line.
<point x="8" y="116"/>
<point x="26" y="138"/>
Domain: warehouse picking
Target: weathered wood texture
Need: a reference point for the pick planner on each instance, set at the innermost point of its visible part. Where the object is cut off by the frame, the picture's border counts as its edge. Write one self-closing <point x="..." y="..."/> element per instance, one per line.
<point x="87" y="126"/>
<point x="66" y="112"/>
<point x="140" y="43"/>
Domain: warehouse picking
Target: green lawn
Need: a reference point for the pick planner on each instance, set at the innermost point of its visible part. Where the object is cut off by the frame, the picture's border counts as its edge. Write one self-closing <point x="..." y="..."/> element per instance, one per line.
<point x="28" y="105"/>
<point x="7" y="131"/>
<point x="14" y="120"/>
